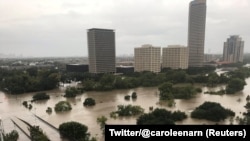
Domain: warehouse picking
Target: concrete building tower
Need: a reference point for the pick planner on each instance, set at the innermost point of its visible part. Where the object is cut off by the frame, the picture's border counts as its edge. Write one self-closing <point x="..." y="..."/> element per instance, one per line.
<point x="175" y="57"/>
<point x="147" y="58"/>
<point x="101" y="50"/>
<point x="233" y="49"/>
<point x="196" y="32"/>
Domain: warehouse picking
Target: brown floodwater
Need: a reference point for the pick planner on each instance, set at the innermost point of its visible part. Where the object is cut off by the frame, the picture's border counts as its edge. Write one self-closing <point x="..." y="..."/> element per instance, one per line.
<point x="11" y="108"/>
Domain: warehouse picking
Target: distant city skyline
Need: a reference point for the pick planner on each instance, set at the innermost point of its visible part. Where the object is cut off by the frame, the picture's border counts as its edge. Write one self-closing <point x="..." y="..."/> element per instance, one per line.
<point x="44" y="28"/>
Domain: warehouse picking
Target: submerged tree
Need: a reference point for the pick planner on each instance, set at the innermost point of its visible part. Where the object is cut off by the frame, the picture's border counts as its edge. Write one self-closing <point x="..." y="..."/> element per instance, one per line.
<point x="37" y="134"/>
<point x="102" y="121"/>
<point x="127" y="97"/>
<point x="12" y="136"/>
<point x="166" y="91"/>
<point x="211" y="111"/>
<point x="63" y="106"/>
<point x="134" y="95"/>
<point x="127" y="110"/>
<point x="234" y="85"/>
<point x="72" y="92"/>
<point x="40" y="96"/>
<point x="247" y="106"/>
<point x="248" y="98"/>
<point x="89" y="102"/>
<point x="161" y="116"/>
<point x="75" y="131"/>
<point x="49" y="110"/>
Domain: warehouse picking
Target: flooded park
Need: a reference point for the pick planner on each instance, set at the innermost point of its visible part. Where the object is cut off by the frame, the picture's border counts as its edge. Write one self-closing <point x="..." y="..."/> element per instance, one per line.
<point x="12" y="110"/>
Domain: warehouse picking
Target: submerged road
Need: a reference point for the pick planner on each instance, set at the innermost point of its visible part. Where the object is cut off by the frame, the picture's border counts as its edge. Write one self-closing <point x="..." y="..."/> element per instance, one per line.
<point x="18" y="124"/>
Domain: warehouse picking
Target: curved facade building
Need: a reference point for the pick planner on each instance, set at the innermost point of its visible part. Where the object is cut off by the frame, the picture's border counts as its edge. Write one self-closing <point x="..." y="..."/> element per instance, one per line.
<point x="196" y="32"/>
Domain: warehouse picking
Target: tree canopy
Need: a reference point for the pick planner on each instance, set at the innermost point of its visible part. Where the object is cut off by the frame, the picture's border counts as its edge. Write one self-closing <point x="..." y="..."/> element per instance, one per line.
<point x="40" y="96"/>
<point x="102" y="121"/>
<point x="63" y="106"/>
<point x="128" y="110"/>
<point x="12" y="136"/>
<point x="72" y="91"/>
<point x="89" y="102"/>
<point x="161" y="116"/>
<point x="37" y="134"/>
<point x="234" y="85"/>
<point x="74" y="131"/>
<point x="211" y="111"/>
<point x="33" y="80"/>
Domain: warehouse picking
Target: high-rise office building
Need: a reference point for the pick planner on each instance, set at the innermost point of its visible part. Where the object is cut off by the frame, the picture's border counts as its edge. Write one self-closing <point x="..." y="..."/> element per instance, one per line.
<point x="101" y="49"/>
<point x="233" y="49"/>
<point x="196" y="32"/>
<point x="175" y="57"/>
<point x="147" y="58"/>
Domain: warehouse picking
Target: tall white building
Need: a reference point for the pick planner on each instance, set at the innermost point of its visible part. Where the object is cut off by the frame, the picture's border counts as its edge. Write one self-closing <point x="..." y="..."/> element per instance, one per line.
<point x="175" y="57"/>
<point x="196" y="32"/>
<point x="233" y="49"/>
<point x="147" y="58"/>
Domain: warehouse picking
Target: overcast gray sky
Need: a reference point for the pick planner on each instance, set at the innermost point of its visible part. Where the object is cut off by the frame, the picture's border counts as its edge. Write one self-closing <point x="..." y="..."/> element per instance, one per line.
<point x="42" y="28"/>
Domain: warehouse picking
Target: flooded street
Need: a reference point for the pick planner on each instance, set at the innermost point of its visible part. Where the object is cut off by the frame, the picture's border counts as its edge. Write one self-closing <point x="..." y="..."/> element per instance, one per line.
<point x="106" y="102"/>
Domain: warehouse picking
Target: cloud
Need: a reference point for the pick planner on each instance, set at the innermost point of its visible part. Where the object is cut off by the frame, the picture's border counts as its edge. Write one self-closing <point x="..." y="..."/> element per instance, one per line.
<point x="58" y="27"/>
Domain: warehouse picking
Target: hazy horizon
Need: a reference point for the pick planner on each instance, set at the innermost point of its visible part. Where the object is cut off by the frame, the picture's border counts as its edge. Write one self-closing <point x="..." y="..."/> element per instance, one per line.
<point x="58" y="28"/>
